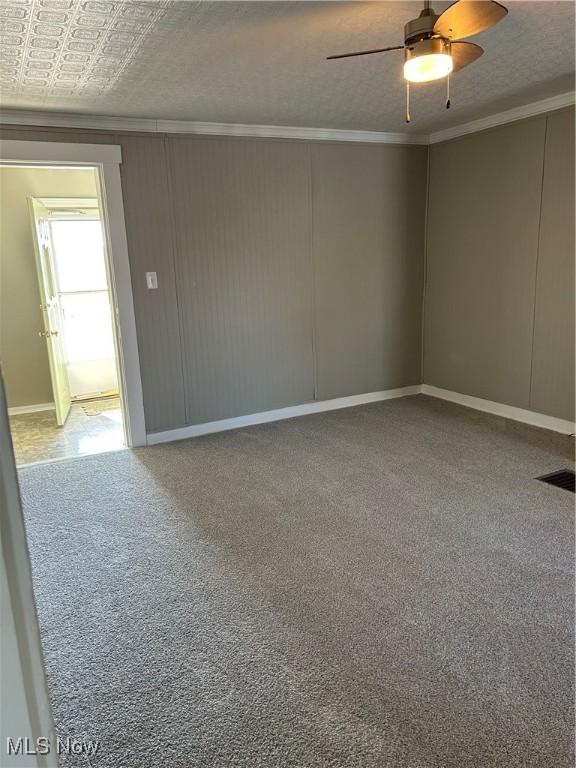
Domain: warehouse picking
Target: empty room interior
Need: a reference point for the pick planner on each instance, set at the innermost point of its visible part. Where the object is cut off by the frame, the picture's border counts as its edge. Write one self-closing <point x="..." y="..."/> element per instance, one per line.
<point x="287" y="405"/>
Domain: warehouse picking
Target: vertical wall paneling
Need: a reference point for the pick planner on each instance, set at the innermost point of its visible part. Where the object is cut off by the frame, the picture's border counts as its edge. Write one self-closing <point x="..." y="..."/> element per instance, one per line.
<point x="483" y="218"/>
<point x="242" y="220"/>
<point x="368" y="239"/>
<point x="293" y="270"/>
<point x="552" y="390"/>
<point x="312" y="274"/>
<point x="246" y="317"/>
<point x="147" y="207"/>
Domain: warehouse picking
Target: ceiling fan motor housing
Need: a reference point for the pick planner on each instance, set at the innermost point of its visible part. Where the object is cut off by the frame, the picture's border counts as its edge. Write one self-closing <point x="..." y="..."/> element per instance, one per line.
<point x="426" y="47"/>
<point x="421" y="28"/>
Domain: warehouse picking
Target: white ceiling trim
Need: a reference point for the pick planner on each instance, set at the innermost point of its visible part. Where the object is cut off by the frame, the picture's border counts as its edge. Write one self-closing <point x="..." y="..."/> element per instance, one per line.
<point x="104" y="123"/>
<point x="69" y="120"/>
<point x="509" y="116"/>
<point x="288" y="132"/>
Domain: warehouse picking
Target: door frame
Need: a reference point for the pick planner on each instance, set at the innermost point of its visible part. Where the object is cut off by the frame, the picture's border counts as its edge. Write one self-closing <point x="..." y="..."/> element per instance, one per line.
<point x="106" y="159"/>
<point x="24" y="676"/>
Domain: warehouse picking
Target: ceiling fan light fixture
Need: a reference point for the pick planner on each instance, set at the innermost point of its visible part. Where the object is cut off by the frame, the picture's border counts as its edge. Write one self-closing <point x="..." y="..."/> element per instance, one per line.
<point x="434" y="44"/>
<point x="432" y="66"/>
<point x="428" y="60"/>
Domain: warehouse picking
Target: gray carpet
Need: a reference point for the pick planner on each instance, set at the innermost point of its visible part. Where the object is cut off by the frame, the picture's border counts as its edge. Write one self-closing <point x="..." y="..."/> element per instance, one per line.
<point x="380" y="586"/>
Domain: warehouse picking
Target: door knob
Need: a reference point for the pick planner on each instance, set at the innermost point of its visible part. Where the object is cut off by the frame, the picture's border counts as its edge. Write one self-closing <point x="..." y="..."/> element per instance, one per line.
<point x="47" y="334"/>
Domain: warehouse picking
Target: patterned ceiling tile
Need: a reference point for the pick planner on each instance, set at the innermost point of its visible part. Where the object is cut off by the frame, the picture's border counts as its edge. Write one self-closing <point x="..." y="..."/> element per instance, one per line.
<point x="264" y="62"/>
<point x="51" y="49"/>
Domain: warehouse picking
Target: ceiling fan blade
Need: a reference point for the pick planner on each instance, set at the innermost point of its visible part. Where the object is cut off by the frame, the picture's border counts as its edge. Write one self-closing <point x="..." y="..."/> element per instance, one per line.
<point x="464" y="54"/>
<point x="468" y="17"/>
<point x="365" y="53"/>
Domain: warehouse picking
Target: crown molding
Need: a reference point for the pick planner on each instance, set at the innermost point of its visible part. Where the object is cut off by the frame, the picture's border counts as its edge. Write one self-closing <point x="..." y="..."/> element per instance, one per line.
<point x="288" y="132"/>
<point x="145" y="125"/>
<point x="47" y="119"/>
<point x="104" y="123"/>
<point x="509" y="116"/>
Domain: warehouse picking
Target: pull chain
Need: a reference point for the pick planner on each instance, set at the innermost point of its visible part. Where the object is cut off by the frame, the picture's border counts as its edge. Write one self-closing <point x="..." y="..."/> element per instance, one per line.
<point x="407" y="101"/>
<point x="448" y="92"/>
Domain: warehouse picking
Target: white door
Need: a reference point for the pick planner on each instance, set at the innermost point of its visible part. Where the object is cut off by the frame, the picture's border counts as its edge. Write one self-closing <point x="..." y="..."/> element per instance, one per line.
<point x="87" y="322"/>
<point x="51" y="311"/>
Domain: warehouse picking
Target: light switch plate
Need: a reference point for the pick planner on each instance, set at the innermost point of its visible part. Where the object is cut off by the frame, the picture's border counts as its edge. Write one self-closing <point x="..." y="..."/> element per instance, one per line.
<point x="151" y="280"/>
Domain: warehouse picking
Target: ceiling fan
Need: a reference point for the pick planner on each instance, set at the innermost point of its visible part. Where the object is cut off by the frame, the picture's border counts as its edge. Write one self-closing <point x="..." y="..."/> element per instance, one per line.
<point x="432" y="43"/>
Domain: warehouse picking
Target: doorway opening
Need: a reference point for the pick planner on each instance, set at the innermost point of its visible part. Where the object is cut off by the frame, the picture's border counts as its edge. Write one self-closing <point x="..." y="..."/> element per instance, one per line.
<point x="37" y="280"/>
<point x="59" y="344"/>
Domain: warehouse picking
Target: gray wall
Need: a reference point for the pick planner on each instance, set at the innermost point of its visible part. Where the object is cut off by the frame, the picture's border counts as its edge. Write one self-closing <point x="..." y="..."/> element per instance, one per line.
<point x="23" y="354"/>
<point x="368" y="232"/>
<point x="259" y="306"/>
<point x="242" y="237"/>
<point x="552" y="381"/>
<point x="290" y="270"/>
<point x="499" y="296"/>
<point x="148" y="212"/>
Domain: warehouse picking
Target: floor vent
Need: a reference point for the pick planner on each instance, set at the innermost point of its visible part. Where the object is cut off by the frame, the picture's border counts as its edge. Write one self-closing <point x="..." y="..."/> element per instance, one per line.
<point x="564" y="478"/>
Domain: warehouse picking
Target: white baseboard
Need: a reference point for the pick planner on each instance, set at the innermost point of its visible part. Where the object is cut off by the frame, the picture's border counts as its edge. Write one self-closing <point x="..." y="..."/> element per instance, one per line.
<point x="317" y="406"/>
<point x="19" y="409"/>
<point x="499" y="409"/>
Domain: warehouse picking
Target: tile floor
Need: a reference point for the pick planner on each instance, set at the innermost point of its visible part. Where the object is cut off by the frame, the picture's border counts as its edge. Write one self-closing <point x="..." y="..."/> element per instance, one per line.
<point x="93" y="426"/>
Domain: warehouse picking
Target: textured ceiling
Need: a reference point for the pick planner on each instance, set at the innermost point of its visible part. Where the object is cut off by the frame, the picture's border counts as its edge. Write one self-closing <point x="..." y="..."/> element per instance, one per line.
<point x="264" y="62"/>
